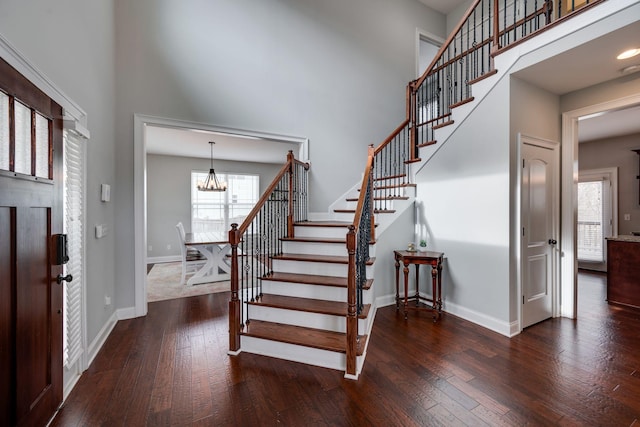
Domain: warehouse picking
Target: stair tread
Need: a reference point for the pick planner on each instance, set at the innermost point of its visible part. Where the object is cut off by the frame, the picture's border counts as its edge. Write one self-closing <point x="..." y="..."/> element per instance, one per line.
<point x="312" y="279"/>
<point x="299" y="335"/>
<point x="355" y="199"/>
<point x="382" y="187"/>
<point x="332" y="259"/>
<point x="378" y="211"/>
<point x="426" y="144"/>
<point x="342" y="240"/>
<point x="309" y="305"/>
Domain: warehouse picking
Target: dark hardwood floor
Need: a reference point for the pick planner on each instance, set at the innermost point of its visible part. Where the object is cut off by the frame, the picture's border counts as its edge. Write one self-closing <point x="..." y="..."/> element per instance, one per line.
<point x="171" y="368"/>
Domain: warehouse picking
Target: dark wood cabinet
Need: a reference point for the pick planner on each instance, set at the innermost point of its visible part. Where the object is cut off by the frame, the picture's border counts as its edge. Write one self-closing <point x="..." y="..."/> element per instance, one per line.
<point x="623" y="270"/>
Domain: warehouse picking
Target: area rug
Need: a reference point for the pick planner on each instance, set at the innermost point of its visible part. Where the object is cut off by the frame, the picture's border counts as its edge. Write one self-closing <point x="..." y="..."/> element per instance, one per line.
<point x="163" y="282"/>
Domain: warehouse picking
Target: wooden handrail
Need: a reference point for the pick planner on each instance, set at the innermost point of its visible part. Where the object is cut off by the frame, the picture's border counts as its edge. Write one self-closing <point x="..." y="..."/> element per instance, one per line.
<point x="447" y="42"/>
<point x="391" y="136"/>
<point x="366" y="178"/>
<point x="265" y="196"/>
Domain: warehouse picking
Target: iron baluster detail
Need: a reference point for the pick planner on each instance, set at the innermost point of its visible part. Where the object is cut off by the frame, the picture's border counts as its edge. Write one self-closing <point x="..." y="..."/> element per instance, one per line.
<point x="258" y="239"/>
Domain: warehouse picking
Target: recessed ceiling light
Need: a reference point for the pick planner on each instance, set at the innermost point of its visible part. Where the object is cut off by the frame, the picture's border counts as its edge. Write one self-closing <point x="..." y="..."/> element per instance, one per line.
<point x="629" y="53"/>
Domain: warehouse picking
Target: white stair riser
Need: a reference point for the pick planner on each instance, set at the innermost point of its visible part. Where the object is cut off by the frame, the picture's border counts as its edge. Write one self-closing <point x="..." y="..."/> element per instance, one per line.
<point x="306" y="319"/>
<point x="321" y="232"/>
<point x="315" y="248"/>
<point x="315" y="268"/>
<point x="342" y="216"/>
<point x="300" y="290"/>
<point x="295" y="353"/>
<point x="378" y="204"/>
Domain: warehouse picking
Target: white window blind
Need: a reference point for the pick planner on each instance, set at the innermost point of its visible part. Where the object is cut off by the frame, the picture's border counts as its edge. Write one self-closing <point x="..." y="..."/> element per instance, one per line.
<point x="591" y="221"/>
<point x="74" y="146"/>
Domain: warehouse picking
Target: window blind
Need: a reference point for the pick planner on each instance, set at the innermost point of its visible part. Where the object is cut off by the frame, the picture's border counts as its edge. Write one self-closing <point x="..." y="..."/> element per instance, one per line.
<point x="74" y="146"/>
<point x="590" y="221"/>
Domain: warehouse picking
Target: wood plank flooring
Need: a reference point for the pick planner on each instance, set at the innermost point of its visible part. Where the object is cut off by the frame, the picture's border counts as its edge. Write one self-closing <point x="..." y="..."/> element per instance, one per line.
<point x="171" y="368"/>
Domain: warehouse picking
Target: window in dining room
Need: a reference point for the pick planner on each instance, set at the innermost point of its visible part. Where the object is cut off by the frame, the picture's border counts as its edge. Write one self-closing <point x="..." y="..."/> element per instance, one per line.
<point x="213" y="211"/>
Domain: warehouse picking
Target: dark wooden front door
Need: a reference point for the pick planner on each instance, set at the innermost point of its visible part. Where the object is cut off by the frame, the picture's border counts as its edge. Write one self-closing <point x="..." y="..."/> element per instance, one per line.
<point x="30" y="215"/>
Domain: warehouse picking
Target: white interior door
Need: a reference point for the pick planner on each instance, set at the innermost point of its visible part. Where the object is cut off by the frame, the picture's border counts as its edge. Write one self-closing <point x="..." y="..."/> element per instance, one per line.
<point x="540" y="165"/>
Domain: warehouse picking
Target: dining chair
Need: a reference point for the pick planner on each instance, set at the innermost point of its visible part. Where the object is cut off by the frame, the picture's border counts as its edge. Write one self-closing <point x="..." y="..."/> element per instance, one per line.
<point x="192" y="259"/>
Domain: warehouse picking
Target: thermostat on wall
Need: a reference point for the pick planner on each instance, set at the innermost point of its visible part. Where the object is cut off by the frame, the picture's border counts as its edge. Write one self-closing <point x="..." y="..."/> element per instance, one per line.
<point x="105" y="193"/>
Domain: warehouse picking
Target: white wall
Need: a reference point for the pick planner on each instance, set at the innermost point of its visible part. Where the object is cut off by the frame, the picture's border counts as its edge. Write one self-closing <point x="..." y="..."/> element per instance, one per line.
<point x="72" y="43"/>
<point x="332" y="71"/>
<point x="169" y="194"/>
<point x="534" y="112"/>
<point x="464" y="199"/>
<point x="454" y="17"/>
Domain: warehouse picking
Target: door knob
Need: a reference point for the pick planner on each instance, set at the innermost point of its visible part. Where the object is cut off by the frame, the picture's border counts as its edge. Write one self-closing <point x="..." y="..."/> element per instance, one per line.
<point x="62" y="278"/>
<point x="552" y="241"/>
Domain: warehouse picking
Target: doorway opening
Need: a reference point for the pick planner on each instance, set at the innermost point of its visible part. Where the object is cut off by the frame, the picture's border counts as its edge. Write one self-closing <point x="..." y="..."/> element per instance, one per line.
<point x="569" y="201"/>
<point x="427" y="46"/>
<point x="143" y="125"/>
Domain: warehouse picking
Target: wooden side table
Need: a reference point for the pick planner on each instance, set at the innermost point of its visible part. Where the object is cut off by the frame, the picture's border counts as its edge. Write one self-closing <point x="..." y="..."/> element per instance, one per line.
<point x="434" y="259"/>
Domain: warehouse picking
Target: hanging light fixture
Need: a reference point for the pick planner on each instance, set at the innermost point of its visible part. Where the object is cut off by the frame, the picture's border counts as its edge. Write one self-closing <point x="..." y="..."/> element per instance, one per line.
<point x="211" y="183"/>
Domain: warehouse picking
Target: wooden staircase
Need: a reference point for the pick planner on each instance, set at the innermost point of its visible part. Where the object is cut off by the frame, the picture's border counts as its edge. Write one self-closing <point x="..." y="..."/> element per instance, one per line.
<point x="297" y="301"/>
<point x="301" y="312"/>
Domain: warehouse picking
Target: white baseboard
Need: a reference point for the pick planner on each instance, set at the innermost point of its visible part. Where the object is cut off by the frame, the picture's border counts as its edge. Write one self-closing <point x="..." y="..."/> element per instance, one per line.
<point x="480" y="319"/>
<point x="100" y="339"/>
<point x="72" y="376"/>
<point x="126" y="313"/>
<point x="161" y="259"/>
<point x="385" y="300"/>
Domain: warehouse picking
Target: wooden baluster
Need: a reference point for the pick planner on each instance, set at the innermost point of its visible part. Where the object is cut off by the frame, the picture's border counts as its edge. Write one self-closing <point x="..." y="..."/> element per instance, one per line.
<point x="496" y="27"/>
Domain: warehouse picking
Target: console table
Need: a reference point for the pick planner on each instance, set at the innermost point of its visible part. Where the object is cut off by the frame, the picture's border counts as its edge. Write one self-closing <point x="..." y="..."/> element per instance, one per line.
<point x="434" y="259"/>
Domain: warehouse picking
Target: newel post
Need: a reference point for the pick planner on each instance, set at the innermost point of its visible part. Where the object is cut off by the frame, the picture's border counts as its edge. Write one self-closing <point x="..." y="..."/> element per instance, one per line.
<point x="411" y="115"/>
<point x="234" y="302"/>
<point x="496" y="26"/>
<point x="291" y="162"/>
<point x="371" y="195"/>
<point x="352" y="316"/>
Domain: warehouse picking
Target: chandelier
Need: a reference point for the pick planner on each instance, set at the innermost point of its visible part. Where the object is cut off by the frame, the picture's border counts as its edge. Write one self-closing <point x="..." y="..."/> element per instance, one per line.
<point x="211" y="183"/>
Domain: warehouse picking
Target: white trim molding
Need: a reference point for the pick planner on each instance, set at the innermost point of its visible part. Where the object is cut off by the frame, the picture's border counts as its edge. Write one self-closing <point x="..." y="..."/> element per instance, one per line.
<point x="18" y="61"/>
<point x="569" y="198"/>
<point x="140" y="187"/>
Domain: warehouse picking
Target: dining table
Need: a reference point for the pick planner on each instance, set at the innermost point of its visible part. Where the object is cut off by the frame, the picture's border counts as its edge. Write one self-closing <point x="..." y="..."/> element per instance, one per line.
<point x="216" y="249"/>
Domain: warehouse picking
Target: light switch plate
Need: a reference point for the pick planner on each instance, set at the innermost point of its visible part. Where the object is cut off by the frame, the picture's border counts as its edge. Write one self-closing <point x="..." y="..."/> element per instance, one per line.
<point x="105" y="192"/>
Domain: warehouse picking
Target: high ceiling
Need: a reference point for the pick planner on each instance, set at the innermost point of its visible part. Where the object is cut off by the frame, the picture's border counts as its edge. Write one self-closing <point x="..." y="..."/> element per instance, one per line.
<point x="586" y="65"/>
<point x="195" y="143"/>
